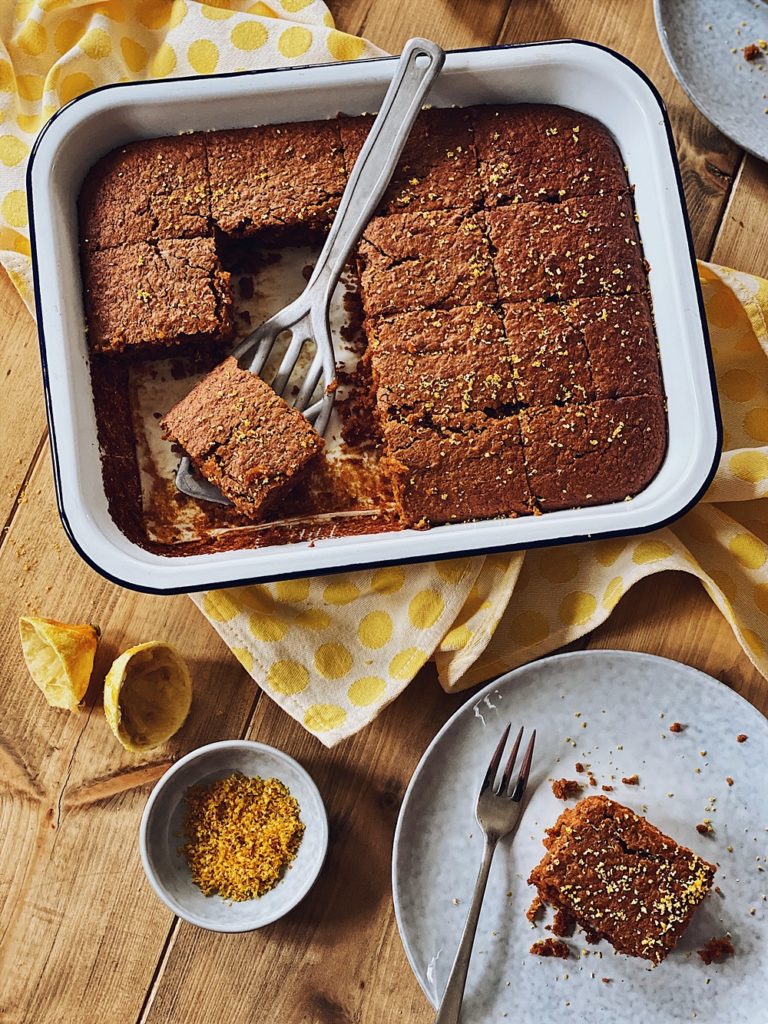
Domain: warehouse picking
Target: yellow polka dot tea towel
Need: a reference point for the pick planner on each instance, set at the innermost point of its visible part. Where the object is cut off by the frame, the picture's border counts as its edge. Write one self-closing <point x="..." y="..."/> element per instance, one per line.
<point x="54" y="50"/>
<point x="334" y="651"/>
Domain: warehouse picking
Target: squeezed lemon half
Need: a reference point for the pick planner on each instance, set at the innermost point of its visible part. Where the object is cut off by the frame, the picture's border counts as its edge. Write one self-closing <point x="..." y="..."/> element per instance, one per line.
<point x="147" y="695"/>
<point x="59" y="656"/>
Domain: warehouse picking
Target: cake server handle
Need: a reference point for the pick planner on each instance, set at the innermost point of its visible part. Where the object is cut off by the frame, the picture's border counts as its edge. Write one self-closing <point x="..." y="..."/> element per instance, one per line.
<point x="418" y="66"/>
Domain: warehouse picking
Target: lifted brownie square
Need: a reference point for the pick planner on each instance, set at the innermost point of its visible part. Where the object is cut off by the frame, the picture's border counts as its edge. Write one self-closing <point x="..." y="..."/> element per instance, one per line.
<point x="146" y="191"/>
<point x="243" y="437"/>
<point x="533" y="152"/>
<point x="446" y="472"/>
<point x="581" y="455"/>
<point x="423" y="260"/>
<point x="583" y="246"/>
<point x="621" y="878"/>
<point x="153" y="295"/>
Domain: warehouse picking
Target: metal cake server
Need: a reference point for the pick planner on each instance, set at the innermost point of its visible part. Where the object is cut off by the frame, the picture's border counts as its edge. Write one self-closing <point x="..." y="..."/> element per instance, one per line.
<point x="306" y="318"/>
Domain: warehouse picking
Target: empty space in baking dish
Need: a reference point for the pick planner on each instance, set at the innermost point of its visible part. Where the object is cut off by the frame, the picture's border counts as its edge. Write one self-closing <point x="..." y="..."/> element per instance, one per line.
<point x="582" y="76"/>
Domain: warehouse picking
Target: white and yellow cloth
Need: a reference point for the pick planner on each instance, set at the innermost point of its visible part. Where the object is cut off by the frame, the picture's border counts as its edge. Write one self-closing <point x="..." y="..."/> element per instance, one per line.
<point x="334" y="651"/>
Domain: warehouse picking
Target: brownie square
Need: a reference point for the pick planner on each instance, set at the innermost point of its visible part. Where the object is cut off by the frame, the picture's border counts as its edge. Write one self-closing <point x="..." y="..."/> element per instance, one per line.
<point x="619" y="336"/>
<point x="437" y="169"/>
<point x="550" y="358"/>
<point x="423" y="260"/>
<point x="148" y="190"/>
<point x="621" y="878"/>
<point x="533" y="152"/>
<point x="450" y="471"/>
<point x="583" y="246"/>
<point x="243" y="437"/>
<point x="580" y="455"/>
<point x="469" y="329"/>
<point x="442" y="384"/>
<point x="148" y="296"/>
<point x="277" y="177"/>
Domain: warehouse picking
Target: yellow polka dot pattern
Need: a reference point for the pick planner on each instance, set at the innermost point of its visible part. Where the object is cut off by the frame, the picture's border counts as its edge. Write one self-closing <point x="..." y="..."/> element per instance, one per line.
<point x="52" y="51"/>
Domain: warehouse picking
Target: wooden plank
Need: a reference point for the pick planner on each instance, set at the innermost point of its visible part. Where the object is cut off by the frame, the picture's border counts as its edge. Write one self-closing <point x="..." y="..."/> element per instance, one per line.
<point x="742" y="241"/>
<point x="22" y="413"/>
<point x="80" y="930"/>
<point x="452" y="25"/>
<point x="708" y="160"/>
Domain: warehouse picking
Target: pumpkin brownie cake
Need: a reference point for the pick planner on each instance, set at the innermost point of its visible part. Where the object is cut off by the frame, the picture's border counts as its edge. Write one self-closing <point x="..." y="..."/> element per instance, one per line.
<point x="511" y="350"/>
<point x="286" y="179"/>
<point x="243" y="437"/>
<point x="579" y="455"/>
<point x="621" y="878"/>
<point x="423" y="260"/>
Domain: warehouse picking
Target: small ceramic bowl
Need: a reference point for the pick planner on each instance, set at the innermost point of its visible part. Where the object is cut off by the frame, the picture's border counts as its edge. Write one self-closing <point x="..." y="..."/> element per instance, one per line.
<point x="160" y="837"/>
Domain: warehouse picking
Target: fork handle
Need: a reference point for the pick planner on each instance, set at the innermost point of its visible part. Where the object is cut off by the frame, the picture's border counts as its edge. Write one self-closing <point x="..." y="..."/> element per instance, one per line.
<point x="450" y="1007"/>
<point x="378" y="158"/>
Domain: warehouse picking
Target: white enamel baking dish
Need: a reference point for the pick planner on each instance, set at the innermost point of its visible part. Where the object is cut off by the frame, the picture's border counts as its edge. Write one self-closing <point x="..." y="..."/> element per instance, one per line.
<point x="581" y="75"/>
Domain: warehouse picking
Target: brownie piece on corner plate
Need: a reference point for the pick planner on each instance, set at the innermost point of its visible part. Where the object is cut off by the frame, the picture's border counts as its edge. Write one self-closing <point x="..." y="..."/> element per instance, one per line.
<point x="243" y="437"/>
<point x="621" y="878"/>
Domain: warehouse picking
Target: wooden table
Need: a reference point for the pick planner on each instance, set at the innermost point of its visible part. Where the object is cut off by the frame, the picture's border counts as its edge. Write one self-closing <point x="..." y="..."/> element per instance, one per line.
<point x="83" y="937"/>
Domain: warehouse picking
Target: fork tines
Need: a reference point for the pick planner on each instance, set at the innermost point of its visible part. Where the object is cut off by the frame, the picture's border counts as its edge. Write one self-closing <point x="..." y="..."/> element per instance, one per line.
<point x="504" y="788"/>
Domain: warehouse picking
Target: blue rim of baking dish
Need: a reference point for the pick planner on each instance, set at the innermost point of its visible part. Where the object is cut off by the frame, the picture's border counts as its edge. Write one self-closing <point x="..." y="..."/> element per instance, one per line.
<point x="412" y="560"/>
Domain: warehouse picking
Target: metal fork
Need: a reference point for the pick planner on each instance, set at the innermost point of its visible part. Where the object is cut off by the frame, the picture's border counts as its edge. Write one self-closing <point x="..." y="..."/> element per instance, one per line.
<point x="307" y="317"/>
<point x="498" y="813"/>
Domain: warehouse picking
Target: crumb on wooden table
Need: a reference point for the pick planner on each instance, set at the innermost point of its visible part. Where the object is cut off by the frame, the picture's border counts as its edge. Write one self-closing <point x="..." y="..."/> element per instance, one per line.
<point x="551" y="947"/>
<point x="717" y="950"/>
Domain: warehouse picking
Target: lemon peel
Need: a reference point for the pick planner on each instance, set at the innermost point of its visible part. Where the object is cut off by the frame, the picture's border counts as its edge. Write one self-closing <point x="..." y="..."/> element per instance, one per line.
<point x="147" y="695"/>
<point x="59" y="656"/>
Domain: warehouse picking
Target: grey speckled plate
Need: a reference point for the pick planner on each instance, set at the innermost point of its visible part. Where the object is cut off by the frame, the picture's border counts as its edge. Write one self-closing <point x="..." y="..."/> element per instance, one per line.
<point x="612" y="710"/>
<point x="698" y="37"/>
